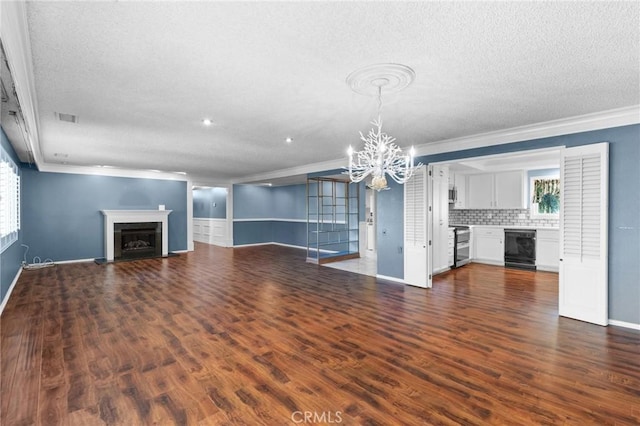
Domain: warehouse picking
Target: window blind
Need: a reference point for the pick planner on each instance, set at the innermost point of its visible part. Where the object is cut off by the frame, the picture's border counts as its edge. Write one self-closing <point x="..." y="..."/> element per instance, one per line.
<point x="9" y="200"/>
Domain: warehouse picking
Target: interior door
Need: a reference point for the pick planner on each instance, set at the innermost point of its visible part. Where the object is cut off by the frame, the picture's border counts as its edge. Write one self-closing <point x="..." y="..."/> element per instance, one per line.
<point x="416" y="259"/>
<point x="584" y="173"/>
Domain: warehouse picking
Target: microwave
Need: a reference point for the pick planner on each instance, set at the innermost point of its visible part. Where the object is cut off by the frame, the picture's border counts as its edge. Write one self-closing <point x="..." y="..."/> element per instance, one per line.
<point x="453" y="195"/>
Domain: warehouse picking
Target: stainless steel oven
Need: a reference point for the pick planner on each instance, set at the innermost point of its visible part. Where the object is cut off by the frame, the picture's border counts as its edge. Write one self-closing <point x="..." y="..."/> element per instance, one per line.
<point x="462" y="246"/>
<point x="520" y="248"/>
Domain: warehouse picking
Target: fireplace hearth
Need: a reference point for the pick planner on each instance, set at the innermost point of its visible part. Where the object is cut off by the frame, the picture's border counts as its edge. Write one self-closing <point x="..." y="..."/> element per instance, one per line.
<point x="137" y="240"/>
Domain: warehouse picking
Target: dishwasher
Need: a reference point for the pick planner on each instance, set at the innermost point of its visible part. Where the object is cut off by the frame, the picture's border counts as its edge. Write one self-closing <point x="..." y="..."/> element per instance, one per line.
<point x="520" y="248"/>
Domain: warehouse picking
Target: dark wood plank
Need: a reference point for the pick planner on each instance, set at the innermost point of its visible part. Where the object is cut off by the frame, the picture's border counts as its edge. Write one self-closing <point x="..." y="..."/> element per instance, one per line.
<point x="254" y="335"/>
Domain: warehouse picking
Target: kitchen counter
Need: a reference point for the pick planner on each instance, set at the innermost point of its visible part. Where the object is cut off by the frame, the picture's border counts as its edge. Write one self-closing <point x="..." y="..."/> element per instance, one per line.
<point x="551" y="228"/>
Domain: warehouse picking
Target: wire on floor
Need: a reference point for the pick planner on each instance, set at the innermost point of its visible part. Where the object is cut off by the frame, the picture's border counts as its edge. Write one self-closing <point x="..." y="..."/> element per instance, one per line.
<point x="37" y="263"/>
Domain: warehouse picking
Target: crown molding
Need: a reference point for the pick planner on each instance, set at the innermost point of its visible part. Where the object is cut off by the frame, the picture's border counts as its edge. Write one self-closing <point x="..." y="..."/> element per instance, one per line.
<point x="564" y="126"/>
<point x="292" y="171"/>
<point x="111" y="171"/>
<point x="17" y="46"/>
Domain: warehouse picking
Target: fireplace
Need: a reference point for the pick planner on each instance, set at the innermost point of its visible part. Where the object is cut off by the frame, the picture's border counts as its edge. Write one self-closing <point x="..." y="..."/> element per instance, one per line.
<point x="136" y="231"/>
<point x="137" y="240"/>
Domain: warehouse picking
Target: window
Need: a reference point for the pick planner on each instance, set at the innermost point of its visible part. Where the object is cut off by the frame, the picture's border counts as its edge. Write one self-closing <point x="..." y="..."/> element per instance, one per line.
<point x="9" y="201"/>
<point x="545" y="197"/>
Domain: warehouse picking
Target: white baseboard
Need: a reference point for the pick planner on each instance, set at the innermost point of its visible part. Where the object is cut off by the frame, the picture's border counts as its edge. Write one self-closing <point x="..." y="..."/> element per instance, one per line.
<point x="270" y="243"/>
<point x="58" y="262"/>
<point x="548" y="268"/>
<point x="394" y="279"/>
<point x="251" y="245"/>
<point x="6" y="296"/>
<point x="624" y="324"/>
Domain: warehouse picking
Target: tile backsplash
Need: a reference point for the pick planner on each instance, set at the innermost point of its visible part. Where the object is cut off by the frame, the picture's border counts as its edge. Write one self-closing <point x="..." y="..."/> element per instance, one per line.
<point x="509" y="217"/>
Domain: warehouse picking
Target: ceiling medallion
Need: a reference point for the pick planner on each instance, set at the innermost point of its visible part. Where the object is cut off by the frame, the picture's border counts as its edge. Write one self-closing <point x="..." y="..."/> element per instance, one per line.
<point x="380" y="156"/>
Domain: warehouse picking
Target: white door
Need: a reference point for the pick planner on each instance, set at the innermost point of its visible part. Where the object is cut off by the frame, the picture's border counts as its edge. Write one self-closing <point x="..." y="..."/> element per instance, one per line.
<point x="416" y="259"/>
<point x="584" y="173"/>
<point x="440" y="201"/>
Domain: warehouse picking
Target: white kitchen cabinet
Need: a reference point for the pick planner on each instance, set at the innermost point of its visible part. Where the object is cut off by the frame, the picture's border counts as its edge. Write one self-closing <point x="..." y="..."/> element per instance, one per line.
<point x="509" y="190"/>
<point x="502" y="190"/>
<point x="480" y="191"/>
<point x="488" y="245"/>
<point x="548" y="249"/>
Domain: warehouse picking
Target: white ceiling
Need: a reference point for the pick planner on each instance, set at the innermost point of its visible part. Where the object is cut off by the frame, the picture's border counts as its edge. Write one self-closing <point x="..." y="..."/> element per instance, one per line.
<point x="141" y="76"/>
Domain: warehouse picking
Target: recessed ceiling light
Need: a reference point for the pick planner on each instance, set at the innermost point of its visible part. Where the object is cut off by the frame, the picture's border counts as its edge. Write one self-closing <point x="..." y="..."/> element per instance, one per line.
<point x="288" y="140"/>
<point x="207" y="122"/>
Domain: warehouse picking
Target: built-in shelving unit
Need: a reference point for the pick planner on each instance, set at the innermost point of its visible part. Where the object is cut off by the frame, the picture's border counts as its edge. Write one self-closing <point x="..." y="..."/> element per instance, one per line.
<point x="332" y="220"/>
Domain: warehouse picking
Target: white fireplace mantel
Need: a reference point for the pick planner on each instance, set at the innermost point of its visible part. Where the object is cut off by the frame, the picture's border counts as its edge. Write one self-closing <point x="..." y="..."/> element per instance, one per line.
<point x="133" y="216"/>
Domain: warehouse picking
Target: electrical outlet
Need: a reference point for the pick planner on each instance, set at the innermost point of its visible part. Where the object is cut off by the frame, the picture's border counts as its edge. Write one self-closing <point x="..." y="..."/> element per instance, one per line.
<point x="521" y="216"/>
<point x="489" y="216"/>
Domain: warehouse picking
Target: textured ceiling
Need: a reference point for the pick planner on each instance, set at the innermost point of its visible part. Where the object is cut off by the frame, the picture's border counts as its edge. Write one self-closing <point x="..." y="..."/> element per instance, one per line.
<point x="141" y="76"/>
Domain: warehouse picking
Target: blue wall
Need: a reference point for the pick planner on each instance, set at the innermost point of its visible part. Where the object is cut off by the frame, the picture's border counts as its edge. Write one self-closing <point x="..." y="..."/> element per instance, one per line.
<point x="624" y="205"/>
<point x="287" y="203"/>
<point x="390" y="230"/>
<point x="204" y="200"/>
<point x="11" y="258"/>
<point x="61" y="216"/>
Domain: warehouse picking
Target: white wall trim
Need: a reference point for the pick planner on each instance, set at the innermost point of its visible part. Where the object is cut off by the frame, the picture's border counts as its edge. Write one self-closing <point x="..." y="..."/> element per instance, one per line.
<point x="111" y="171"/>
<point x="210" y="231"/>
<point x="271" y="219"/>
<point x="60" y="262"/>
<point x="252" y="244"/>
<point x="190" y="245"/>
<point x="269" y="243"/>
<point x="293" y="171"/>
<point x="217" y="219"/>
<point x="564" y="126"/>
<point x="624" y="324"/>
<point x="388" y="278"/>
<point x="17" y="46"/>
<point x="290" y="245"/>
<point x="6" y="296"/>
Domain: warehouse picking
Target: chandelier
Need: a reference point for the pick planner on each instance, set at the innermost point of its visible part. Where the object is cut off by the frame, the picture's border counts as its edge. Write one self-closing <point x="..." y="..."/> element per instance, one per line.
<point x="380" y="156"/>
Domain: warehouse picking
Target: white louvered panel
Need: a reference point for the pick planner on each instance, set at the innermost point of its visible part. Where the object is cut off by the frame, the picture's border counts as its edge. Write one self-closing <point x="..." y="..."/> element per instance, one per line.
<point x="571" y="206"/>
<point x="591" y="204"/>
<point x="415" y="209"/>
<point x="582" y="206"/>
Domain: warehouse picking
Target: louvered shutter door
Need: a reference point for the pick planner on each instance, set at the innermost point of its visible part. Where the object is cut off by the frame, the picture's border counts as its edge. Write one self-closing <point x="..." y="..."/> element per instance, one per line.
<point x="415" y="230"/>
<point x="583" y="292"/>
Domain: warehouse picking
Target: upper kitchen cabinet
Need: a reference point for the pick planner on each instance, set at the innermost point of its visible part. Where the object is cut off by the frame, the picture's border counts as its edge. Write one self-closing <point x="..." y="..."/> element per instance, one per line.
<point x="502" y="190"/>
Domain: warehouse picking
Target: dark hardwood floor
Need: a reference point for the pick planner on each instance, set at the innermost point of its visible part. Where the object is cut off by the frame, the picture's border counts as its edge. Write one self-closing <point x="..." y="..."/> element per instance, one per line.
<point x="257" y="336"/>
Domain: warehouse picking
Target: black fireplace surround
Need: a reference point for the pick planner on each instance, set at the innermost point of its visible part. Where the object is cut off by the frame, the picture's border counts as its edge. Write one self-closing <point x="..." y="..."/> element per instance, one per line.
<point x="137" y="240"/>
